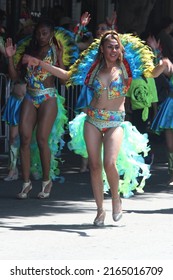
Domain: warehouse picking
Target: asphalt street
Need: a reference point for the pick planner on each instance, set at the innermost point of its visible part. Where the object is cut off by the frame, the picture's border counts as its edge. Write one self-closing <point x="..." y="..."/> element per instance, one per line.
<point x="61" y="227"/>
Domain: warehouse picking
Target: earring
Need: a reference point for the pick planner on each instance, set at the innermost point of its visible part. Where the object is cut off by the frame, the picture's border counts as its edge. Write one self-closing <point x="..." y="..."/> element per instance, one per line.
<point x="101" y="56"/>
<point x="51" y="41"/>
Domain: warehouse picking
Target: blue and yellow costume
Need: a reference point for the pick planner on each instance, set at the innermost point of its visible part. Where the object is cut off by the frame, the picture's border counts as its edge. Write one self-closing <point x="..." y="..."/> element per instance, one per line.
<point x="37" y="93"/>
<point x="11" y="110"/>
<point x="104" y="119"/>
<point x="11" y="114"/>
<point x="138" y="59"/>
<point x="164" y="120"/>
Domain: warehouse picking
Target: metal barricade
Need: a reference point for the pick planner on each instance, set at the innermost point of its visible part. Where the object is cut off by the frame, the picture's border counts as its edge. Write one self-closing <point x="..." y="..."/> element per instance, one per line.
<point x="71" y="95"/>
<point x="4" y="128"/>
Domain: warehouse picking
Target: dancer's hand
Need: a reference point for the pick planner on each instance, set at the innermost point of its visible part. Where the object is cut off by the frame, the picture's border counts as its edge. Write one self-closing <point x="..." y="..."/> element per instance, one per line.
<point x="10" y="49"/>
<point x="153" y="43"/>
<point x="111" y="21"/>
<point x="85" y="19"/>
<point x="30" y="60"/>
<point x="168" y="65"/>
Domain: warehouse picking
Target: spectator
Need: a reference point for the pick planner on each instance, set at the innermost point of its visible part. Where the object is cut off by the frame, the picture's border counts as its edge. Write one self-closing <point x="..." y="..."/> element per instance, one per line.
<point x="11" y="117"/>
<point x="166" y="38"/>
<point x="141" y="102"/>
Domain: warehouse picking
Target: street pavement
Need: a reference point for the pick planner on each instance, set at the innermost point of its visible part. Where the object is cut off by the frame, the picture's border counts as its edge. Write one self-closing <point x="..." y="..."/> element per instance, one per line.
<point x="60" y="228"/>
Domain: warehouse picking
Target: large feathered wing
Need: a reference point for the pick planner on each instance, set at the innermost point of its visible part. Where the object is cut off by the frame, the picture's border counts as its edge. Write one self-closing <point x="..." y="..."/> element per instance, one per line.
<point x="70" y="48"/>
<point x="62" y="36"/>
<point x="138" y="56"/>
<point x="21" y="45"/>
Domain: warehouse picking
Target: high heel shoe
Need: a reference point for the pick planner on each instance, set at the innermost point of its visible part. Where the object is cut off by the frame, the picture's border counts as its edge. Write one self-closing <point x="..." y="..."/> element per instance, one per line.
<point x="12" y="175"/>
<point x="99" y="220"/>
<point x="27" y="187"/>
<point x="170" y="182"/>
<point x="117" y="215"/>
<point x="45" y="185"/>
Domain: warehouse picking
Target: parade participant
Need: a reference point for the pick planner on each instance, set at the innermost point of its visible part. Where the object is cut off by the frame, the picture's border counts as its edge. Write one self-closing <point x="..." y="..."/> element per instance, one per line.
<point x="11" y="111"/>
<point x="86" y="94"/>
<point x="11" y="115"/>
<point x="108" y="75"/>
<point x="163" y="123"/>
<point x="42" y="107"/>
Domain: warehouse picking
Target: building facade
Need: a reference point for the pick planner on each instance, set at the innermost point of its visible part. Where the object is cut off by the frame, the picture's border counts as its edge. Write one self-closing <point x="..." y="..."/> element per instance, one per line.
<point x="132" y="14"/>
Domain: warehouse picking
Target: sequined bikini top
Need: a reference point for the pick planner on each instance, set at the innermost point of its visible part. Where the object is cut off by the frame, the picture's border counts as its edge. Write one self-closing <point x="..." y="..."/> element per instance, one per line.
<point x="118" y="87"/>
<point x="35" y="76"/>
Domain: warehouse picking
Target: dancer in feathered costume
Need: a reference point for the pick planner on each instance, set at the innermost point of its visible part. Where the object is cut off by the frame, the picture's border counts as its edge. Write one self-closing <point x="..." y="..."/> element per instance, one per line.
<point x="137" y="60"/>
<point x="107" y="68"/>
<point x="43" y="116"/>
<point x="11" y="113"/>
<point x="163" y="123"/>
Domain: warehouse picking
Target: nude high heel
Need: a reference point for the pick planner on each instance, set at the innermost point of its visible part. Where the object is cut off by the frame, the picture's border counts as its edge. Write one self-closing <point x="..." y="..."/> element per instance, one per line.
<point x="45" y="185"/>
<point x="27" y="187"/>
<point x="99" y="220"/>
<point x="12" y="175"/>
<point x="117" y="215"/>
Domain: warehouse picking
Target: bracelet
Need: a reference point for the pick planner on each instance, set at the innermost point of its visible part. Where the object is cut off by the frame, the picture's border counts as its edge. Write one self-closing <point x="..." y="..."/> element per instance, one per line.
<point x="79" y="31"/>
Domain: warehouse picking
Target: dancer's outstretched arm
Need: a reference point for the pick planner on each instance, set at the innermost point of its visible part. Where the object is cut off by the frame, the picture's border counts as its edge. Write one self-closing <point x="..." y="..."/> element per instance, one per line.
<point x="54" y="70"/>
<point x="165" y="66"/>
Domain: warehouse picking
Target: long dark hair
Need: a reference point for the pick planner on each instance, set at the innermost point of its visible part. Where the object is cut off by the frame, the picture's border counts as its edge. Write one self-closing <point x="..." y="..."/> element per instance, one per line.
<point x="33" y="46"/>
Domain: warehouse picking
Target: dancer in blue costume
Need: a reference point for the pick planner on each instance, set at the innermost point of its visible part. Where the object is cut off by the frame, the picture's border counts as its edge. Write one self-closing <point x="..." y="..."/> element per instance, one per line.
<point x="42" y="110"/>
<point x="10" y="115"/>
<point x="108" y="74"/>
<point x="11" y="110"/>
<point x="163" y="123"/>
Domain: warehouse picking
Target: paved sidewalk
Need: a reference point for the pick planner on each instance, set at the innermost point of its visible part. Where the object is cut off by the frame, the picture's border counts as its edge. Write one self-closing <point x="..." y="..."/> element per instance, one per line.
<point x="60" y="228"/>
